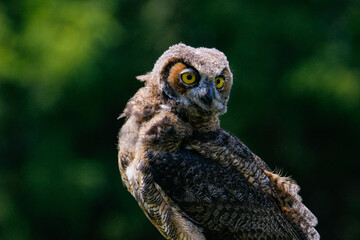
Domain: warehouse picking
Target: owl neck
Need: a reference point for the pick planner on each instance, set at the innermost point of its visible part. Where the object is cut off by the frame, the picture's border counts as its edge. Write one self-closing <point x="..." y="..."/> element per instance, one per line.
<point x="210" y="124"/>
<point x="198" y="121"/>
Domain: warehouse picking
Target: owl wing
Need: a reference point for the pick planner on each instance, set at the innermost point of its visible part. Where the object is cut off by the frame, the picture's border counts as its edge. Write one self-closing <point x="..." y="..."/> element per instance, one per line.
<point x="225" y="148"/>
<point x="218" y="198"/>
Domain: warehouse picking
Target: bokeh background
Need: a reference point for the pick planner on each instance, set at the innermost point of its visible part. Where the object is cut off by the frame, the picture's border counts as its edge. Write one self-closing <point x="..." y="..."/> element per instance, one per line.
<point x="68" y="67"/>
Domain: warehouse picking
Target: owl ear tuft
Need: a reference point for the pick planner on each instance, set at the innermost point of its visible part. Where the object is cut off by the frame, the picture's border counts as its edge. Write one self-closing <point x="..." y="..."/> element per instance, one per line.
<point x="145" y="77"/>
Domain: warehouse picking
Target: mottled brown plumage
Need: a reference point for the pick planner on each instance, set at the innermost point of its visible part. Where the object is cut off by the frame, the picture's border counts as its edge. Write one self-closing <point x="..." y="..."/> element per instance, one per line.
<point x="193" y="179"/>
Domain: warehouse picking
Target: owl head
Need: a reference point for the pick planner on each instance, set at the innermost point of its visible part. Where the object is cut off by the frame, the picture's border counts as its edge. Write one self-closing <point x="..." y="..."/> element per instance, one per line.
<point x="197" y="80"/>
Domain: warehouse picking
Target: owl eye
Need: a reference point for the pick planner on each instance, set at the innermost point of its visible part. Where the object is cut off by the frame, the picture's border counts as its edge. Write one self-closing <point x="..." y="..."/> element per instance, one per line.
<point x="188" y="76"/>
<point x="219" y="81"/>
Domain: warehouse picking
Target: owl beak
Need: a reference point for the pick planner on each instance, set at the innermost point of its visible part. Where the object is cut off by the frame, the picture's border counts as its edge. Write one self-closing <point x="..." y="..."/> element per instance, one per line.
<point x="206" y="94"/>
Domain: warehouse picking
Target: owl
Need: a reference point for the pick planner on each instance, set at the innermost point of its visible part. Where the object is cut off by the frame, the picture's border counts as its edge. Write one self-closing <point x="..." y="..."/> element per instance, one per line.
<point x="192" y="179"/>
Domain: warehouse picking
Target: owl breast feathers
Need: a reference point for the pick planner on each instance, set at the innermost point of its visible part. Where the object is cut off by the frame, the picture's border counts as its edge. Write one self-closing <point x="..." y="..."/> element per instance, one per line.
<point x="192" y="179"/>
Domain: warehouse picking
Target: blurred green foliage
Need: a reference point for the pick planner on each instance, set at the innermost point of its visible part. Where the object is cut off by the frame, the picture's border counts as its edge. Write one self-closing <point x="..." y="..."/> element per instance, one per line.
<point x="67" y="69"/>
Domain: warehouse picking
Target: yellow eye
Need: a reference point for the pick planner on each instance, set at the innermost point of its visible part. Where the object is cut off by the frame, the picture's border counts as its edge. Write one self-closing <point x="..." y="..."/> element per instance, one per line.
<point x="219" y="81"/>
<point x="188" y="77"/>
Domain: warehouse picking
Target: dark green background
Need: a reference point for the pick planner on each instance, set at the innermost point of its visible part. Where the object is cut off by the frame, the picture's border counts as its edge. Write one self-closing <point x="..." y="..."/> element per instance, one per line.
<point x="67" y="69"/>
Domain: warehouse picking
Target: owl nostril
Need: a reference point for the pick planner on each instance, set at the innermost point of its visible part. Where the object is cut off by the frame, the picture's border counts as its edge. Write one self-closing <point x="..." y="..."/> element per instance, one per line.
<point x="208" y="96"/>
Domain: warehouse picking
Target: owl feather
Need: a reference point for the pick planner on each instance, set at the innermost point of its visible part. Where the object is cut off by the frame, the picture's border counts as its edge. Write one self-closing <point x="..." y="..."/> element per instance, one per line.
<point x="192" y="179"/>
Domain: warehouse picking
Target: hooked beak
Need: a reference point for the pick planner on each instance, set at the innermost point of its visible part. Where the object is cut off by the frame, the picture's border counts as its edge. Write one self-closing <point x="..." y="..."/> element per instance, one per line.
<point x="206" y="93"/>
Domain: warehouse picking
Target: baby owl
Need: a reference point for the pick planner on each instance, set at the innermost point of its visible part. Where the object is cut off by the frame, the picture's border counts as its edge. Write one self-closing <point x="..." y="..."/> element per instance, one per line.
<point x="193" y="179"/>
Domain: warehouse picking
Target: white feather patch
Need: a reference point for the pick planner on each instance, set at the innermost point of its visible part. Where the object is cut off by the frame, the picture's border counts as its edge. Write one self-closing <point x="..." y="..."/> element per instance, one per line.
<point x="130" y="172"/>
<point x="163" y="106"/>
